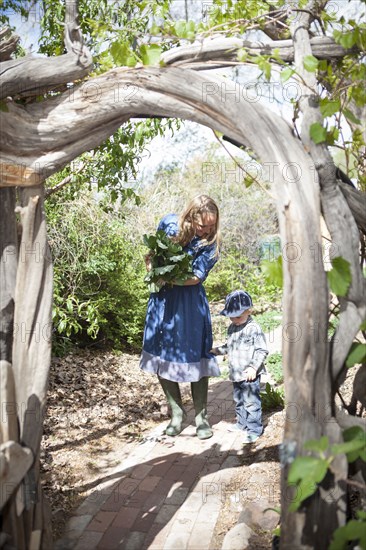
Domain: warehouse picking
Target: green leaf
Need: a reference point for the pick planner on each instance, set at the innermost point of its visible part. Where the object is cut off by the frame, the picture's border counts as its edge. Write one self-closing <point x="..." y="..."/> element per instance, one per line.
<point x="307" y="467"/>
<point x="177" y="258"/>
<point x="354" y="530"/>
<point x="306" y="472"/>
<point x="164" y="269"/>
<point x="304" y="489"/>
<point x="339" y="277"/>
<point x="349" y="39"/>
<point x="150" y="241"/>
<point x="317" y="133"/>
<point x="170" y="262"/>
<point x="332" y="135"/>
<point x="348" y="447"/>
<point x="356" y="355"/>
<point x="351" y="117"/>
<point x="286" y="74"/>
<point x="150" y="54"/>
<point x="248" y="180"/>
<point x="310" y="63"/>
<point x="161" y="244"/>
<point x="328" y="107"/>
<point x="322" y="65"/>
<point x="180" y="29"/>
<point x="355" y="433"/>
<point x="319" y="445"/>
<point x="122" y="54"/>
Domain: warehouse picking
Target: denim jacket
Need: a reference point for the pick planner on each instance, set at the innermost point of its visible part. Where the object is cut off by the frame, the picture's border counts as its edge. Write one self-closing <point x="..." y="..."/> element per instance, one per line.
<point x="246" y="347"/>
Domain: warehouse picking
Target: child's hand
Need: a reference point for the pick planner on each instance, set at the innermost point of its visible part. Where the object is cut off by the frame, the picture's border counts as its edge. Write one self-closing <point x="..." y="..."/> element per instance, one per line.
<point x="214" y="351"/>
<point x="251" y="374"/>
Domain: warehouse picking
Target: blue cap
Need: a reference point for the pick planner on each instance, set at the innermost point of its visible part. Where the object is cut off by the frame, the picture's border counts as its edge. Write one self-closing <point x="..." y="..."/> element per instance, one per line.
<point x="236" y="303"/>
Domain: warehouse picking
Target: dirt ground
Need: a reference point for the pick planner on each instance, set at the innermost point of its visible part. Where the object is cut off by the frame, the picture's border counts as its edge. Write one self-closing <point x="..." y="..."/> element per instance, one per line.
<point x="98" y="402"/>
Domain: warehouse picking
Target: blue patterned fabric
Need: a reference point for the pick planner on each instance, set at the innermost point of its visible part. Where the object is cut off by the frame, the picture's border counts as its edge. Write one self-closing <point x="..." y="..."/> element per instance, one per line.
<point x="178" y="331"/>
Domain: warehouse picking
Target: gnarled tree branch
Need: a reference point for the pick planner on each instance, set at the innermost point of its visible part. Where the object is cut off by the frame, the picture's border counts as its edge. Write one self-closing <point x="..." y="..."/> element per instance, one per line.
<point x="8" y="43"/>
<point x="33" y="76"/>
<point x="222" y="51"/>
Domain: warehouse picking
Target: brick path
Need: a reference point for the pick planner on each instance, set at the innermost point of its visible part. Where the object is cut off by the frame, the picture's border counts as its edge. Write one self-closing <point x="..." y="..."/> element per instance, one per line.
<point x="168" y="493"/>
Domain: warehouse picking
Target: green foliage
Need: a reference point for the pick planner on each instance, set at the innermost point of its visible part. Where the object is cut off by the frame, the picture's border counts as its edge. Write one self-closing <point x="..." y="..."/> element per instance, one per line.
<point x="117" y="33"/>
<point x="354" y="445"/>
<point x="9" y="7"/>
<point x="353" y="531"/>
<point x="310" y="63"/>
<point x="329" y="107"/>
<point x="99" y="292"/>
<point x="356" y="355"/>
<point x="272" y="398"/>
<point x="112" y="167"/>
<point x="169" y="263"/>
<point x="319" y="134"/>
<point x="273" y="271"/>
<point x="233" y="270"/>
<point x="286" y="74"/>
<point x="339" y="277"/>
<point x="269" y="319"/>
<point x="274" y="365"/>
<point x="307" y="472"/>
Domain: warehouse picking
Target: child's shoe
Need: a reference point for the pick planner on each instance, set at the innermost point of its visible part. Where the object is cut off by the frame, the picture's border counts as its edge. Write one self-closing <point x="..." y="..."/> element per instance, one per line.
<point x="250" y="438"/>
<point x="236" y="428"/>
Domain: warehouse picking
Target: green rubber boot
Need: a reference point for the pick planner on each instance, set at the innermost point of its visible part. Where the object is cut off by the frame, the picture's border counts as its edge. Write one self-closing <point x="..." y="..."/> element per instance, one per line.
<point x="174" y="398"/>
<point x="199" y="393"/>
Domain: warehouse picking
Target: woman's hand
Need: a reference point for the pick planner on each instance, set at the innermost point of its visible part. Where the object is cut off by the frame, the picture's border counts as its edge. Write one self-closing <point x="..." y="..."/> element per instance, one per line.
<point x="147" y="259"/>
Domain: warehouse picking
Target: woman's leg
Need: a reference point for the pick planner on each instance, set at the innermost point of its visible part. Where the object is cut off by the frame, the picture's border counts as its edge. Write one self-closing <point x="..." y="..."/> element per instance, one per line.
<point x="174" y="398"/>
<point x="199" y="394"/>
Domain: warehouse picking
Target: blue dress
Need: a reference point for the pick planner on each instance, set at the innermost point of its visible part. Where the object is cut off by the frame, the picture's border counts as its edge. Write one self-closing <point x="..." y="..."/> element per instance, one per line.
<point x="178" y="330"/>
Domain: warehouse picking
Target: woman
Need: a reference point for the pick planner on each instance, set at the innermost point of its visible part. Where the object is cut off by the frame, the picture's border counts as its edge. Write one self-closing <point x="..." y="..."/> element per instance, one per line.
<point x="178" y="332"/>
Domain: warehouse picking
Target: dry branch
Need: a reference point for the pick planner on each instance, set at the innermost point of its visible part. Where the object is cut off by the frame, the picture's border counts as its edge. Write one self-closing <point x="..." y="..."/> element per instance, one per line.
<point x="220" y="51"/>
<point x="34" y="76"/>
<point x="8" y="43"/>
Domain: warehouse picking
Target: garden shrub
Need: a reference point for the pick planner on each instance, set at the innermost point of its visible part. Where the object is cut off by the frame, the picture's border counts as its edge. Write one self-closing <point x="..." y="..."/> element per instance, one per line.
<point x="233" y="271"/>
<point x="99" y="293"/>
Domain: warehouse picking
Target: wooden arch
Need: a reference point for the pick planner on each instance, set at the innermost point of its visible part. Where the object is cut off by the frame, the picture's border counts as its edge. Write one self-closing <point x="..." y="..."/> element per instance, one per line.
<point x="59" y="130"/>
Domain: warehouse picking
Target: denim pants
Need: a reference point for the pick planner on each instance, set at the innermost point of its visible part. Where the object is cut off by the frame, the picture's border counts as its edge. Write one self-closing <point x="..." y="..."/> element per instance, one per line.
<point x="248" y="407"/>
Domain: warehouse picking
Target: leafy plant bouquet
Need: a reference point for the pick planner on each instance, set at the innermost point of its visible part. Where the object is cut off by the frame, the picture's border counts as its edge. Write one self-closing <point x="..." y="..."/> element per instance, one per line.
<point x="170" y="264"/>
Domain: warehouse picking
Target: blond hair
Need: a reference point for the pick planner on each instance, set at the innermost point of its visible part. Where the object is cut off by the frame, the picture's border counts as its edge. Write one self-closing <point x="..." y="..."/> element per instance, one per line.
<point x="202" y="204"/>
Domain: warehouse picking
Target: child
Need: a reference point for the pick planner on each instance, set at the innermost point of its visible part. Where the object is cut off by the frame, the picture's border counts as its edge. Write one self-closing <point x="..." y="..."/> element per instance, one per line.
<point x="246" y="348"/>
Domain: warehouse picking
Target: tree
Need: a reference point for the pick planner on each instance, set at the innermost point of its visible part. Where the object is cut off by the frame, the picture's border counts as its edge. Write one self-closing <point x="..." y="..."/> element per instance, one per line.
<point x="39" y="138"/>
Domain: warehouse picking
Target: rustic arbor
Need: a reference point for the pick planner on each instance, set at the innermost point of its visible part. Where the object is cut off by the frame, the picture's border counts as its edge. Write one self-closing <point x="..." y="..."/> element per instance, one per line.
<point x="40" y="138"/>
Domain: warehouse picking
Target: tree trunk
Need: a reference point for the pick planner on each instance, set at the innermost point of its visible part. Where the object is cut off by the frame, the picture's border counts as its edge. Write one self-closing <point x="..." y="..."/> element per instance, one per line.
<point x="27" y="273"/>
